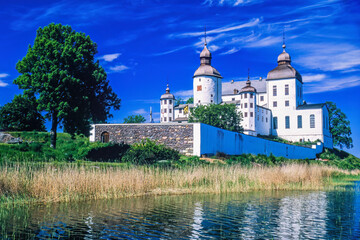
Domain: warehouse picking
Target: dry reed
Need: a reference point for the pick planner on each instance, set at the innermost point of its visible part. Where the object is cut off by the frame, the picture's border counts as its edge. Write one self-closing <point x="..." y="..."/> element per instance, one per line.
<point x="71" y="183"/>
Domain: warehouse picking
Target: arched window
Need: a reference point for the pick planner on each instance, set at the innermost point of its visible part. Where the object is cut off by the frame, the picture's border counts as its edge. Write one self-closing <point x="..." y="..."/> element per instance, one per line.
<point x="105" y="137"/>
<point x="312" y="121"/>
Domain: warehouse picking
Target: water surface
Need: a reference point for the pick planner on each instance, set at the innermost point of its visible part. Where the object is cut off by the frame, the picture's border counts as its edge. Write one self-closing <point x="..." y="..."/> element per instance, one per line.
<point x="261" y="215"/>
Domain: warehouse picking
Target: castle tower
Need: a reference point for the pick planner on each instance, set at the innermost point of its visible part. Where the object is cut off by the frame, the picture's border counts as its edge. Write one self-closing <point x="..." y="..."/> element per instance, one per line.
<point x="167" y="106"/>
<point x="248" y="108"/>
<point x="206" y="81"/>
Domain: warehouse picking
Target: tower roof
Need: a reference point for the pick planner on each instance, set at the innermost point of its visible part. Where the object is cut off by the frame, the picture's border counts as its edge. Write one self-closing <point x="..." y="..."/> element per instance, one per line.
<point x="205" y="68"/>
<point x="248" y="87"/>
<point x="167" y="94"/>
<point x="284" y="68"/>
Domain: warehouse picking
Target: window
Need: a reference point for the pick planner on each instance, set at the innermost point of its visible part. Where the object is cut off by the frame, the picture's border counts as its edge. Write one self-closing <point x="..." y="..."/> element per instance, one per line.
<point x="233" y="99"/>
<point x="286" y="103"/>
<point x="164" y="119"/>
<point x="258" y="117"/>
<point x="312" y="121"/>
<point x="245" y="95"/>
<point x="274" y="91"/>
<point x="211" y="101"/>
<point x="161" y="111"/>
<point x="251" y="95"/>
<point x="261" y="98"/>
<point x="241" y="105"/>
<point x="105" y="137"/>
<point x="165" y="110"/>
<point x="241" y="96"/>
<point x="251" y="114"/>
<point x="199" y="88"/>
<point x="180" y="110"/>
<point x="170" y="101"/>
<point x="212" y="95"/>
<point x="199" y="101"/>
<point x="164" y="101"/>
<point x="275" y="123"/>
<point x="286" y="89"/>
<point x="266" y="120"/>
<point x="275" y="104"/>
<point x="299" y="121"/>
<point x="287" y="122"/>
<point x="245" y="105"/>
<point x="169" y="118"/>
<point x="199" y="79"/>
<point x="251" y="105"/>
<point x="246" y="114"/>
<point x="262" y="118"/>
<point x="170" y="110"/>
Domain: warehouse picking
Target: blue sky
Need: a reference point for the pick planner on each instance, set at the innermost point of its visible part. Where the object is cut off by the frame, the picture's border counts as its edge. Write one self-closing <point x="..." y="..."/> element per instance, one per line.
<point x="145" y="44"/>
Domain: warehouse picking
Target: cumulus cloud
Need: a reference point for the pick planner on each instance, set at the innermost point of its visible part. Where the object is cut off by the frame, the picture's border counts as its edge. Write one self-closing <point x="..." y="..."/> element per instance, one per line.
<point x="2" y="83"/>
<point x="140" y="111"/>
<point x="110" y="57"/>
<point x="119" y="68"/>
<point x="184" y="93"/>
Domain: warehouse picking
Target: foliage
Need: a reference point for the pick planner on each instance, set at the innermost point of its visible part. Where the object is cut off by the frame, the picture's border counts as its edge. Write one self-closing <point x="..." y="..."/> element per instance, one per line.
<point x="72" y="88"/>
<point x="109" y="152"/>
<point x="21" y="115"/>
<point x="178" y="101"/>
<point x="222" y="116"/>
<point x="281" y="140"/>
<point x="148" y="152"/>
<point x="190" y="100"/>
<point x="339" y="127"/>
<point x="134" y="119"/>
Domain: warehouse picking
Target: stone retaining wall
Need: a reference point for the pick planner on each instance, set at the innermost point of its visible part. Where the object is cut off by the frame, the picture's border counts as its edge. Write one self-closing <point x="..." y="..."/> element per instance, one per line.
<point x="176" y="136"/>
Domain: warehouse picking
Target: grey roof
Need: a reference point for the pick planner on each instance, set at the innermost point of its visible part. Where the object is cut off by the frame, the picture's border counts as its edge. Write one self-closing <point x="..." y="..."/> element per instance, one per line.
<point x="181" y="119"/>
<point x="228" y="87"/>
<point x="207" y="70"/>
<point x="311" y="106"/>
<point x="167" y="96"/>
<point x="184" y="105"/>
<point x="237" y="102"/>
<point x="283" y="71"/>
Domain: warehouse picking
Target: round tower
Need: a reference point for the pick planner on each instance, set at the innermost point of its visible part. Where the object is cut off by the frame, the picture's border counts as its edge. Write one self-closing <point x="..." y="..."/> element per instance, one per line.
<point x="206" y="81"/>
<point x="248" y="108"/>
<point x="167" y="106"/>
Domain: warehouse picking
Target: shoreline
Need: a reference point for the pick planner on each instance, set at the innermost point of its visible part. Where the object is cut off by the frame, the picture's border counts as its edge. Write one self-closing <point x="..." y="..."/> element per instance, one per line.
<point x="48" y="184"/>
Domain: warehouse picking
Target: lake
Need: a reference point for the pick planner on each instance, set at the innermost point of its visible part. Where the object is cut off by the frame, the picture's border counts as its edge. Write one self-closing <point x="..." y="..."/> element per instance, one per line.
<point x="260" y="215"/>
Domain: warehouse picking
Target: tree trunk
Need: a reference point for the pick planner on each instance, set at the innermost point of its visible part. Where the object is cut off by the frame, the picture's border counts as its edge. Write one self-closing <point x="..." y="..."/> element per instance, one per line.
<point x="54" y="124"/>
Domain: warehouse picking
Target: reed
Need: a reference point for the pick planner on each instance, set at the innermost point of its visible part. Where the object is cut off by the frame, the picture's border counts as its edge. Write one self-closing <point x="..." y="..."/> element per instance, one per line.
<point x="72" y="183"/>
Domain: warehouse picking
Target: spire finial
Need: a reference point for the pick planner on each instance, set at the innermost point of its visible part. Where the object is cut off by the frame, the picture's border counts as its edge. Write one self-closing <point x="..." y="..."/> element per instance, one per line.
<point x="284" y="46"/>
<point x="248" y="80"/>
<point x="167" y="88"/>
<point x="205" y="35"/>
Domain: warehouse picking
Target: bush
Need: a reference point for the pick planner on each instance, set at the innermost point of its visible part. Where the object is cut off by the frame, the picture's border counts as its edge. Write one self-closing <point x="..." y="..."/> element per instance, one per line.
<point x="148" y="152"/>
<point x="108" y="152"/>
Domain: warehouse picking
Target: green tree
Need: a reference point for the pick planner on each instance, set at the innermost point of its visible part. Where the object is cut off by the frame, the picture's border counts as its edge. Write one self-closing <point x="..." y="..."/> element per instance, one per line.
<point x="178" y="101"/>
<point x="71" y="87"/>
<point x="134" y="119"/>
<point x="190" y="100"/>
<point x="339" y="127"/>
<point x="21" y="114"/>
<point x="222" y="116"/>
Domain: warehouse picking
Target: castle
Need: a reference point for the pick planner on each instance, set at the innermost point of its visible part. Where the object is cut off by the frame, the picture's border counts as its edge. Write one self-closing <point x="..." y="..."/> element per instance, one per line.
<point x="272" y="106"/>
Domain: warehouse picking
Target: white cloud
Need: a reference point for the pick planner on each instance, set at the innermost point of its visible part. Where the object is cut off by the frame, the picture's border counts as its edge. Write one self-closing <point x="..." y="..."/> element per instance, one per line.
<point x="119" y="68"/>
<point x="3" y="84"/>
<point x="234" y="3"/>
<point x="332" y="84"/>
<point x="110" y="57"/>
<point x="3" y="75"/>
<point x="184" y="93"/>
<point x="231" y="51"/>
<point x="253" y="22"/>
<point x="330" y="56"/>
<point x="313" y="77"/>
<point x="268" y="41"/>
<point x="140" y="111"/>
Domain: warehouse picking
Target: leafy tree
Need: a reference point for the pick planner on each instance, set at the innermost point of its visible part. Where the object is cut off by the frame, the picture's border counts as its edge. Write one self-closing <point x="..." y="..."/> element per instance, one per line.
<point x="21" y="115"/>
<point x="339" y="127"/>
<point x="190" y="100"/>
<point x="178" y="101"/>
<point x="71" y="87"/>
<point x="222" y="116"/>
<point x="134" y="119"/>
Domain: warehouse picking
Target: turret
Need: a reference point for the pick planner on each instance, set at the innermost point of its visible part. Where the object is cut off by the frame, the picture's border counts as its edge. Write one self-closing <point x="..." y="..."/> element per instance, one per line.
<point x="167" y="106"/>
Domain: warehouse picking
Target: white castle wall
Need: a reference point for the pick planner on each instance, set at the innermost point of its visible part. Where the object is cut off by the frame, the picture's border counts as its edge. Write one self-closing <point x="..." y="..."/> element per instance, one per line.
<point x="207" y="90"/>
<point x="210" y="140"/>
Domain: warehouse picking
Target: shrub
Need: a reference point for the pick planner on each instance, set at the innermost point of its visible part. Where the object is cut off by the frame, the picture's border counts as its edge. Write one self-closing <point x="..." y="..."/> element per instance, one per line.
<point x="148" y="152"/>
<point x="108" y="152"/>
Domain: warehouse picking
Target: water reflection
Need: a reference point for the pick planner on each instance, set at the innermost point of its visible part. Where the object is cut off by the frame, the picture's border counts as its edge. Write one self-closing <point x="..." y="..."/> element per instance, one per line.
<point x="264" y="215"/>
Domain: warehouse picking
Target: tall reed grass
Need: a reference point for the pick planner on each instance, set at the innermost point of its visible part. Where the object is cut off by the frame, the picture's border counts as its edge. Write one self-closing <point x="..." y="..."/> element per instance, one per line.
<point x="71" y="183"/>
